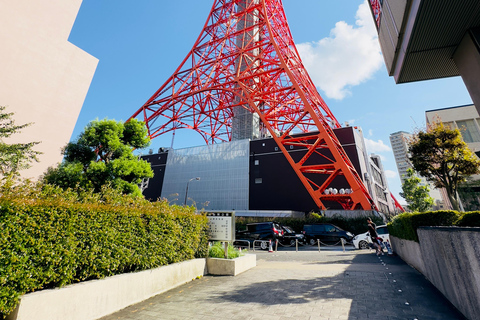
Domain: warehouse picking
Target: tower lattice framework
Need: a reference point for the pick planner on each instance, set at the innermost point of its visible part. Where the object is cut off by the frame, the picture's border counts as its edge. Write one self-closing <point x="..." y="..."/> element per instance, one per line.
<point x="243" y="78"/>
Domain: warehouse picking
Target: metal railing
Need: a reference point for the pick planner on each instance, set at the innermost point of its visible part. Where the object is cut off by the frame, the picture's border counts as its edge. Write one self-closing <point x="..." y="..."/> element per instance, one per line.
<point x="241" y="246"/>
<point x="266" y="244"/>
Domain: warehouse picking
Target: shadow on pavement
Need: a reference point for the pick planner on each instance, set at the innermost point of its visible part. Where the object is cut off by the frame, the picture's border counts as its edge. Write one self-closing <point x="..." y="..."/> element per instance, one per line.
<point x="370" y="288"/>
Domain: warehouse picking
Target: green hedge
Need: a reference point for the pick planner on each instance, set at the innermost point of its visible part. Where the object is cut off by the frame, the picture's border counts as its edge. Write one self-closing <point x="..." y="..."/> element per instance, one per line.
<point x="469" y="219"/>
<point x="45" y="244"/>
<point x="405" y="225"/>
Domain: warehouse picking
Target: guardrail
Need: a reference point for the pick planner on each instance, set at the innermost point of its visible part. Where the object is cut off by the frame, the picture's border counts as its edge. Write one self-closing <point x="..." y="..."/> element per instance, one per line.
<point x="342" y="242"/>
<point x="241" y="246"/>
<point x="265" y="244"/>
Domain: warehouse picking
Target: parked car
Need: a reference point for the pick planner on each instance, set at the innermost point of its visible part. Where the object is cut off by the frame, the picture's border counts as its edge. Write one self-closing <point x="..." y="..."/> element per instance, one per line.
<point x="362" y="241"/>
<point x="260" y="231"/>
<point x="290" y="237"/>
<point x="326" y="233"/>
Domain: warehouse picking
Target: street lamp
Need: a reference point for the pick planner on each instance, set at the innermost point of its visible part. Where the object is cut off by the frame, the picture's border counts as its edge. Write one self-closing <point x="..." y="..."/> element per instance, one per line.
<point x="186" y="191"/>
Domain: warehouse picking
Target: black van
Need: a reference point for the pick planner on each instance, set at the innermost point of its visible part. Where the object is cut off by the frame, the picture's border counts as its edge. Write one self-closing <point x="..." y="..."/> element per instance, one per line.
<point x="260" y="231"/>
<point x="326" y="233"/>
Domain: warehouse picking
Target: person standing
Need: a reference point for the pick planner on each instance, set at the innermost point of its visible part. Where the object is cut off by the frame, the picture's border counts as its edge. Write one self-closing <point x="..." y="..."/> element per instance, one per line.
<point x="372" y="230"/>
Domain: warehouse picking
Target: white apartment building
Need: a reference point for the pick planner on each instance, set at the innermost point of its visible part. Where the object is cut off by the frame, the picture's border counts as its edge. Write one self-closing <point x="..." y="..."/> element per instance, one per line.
<point x="398" y="141"/>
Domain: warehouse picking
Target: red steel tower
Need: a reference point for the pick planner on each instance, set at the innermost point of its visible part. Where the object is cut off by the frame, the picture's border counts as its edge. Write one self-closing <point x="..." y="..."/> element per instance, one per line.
<point x="244" y="79"/>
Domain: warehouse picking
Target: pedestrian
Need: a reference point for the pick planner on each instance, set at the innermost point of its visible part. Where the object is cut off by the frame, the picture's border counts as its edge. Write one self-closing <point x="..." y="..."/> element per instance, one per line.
<point x="372" y="230"/>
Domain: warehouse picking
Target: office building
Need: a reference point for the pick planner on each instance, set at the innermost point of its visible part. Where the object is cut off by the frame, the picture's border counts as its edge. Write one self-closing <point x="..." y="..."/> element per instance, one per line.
<point x="254" y="178"/>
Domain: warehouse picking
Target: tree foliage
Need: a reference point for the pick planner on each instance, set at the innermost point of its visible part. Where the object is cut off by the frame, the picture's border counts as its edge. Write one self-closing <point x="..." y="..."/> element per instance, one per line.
<point x="103" y="154"/>
<point x="442" y="157"/>
<point x="14" y="156"/>
<point x="417" y="196"/>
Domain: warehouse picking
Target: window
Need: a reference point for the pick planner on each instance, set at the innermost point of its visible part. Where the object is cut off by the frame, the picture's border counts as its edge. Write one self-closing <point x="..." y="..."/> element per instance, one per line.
<point x="469" y="131"/>
<point x="329" y="228"/>
<point x="257" y="162"/>
<point x="258" y="180"/>
<point x="449" y="125"/>
<point x="382" y="230"/>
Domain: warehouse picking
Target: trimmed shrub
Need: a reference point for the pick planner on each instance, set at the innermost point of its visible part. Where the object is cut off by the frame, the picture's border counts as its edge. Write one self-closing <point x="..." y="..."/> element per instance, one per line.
<point x="405" y="225"/>
<point x="401" y="226"/>
<point x="469" y="219"/>
<point x="55" y="242"/>
<point x="217" y="250"/>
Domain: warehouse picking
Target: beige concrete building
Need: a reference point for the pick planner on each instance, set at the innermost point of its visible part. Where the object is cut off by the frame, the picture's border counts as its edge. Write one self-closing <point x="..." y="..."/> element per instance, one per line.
<point x="467" y="120"/>
<point x="43" y="78"/>
<point x="464" y="118"/>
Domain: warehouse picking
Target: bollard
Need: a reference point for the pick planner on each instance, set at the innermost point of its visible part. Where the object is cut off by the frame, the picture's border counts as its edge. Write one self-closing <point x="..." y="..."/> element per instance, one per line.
<point x="270" y="249"/>
<point x="296" y="244"/>
<point x="318" y="242"/>
<point x="343" y="243"/>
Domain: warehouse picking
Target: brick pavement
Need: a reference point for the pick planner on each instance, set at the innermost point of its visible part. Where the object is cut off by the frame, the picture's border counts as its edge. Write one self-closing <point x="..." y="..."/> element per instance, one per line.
<point x="331" y="284"/>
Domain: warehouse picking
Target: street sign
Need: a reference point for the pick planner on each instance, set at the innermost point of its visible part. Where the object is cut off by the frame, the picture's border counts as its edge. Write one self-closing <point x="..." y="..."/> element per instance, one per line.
<point x="221" y="225"/>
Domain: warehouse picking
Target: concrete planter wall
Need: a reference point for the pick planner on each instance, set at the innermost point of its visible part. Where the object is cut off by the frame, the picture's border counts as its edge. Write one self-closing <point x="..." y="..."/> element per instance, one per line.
<point x="409" y="251"/>
<point x="231" y="267"/>
<point x="449" y="257"/>
<point x="452" y="261"/>
<point x="94" y="299"/>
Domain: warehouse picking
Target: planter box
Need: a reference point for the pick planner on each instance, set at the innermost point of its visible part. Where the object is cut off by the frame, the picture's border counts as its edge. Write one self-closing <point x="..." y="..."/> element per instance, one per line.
<point x="231" y="267"/>
<point x="97" y="298"/>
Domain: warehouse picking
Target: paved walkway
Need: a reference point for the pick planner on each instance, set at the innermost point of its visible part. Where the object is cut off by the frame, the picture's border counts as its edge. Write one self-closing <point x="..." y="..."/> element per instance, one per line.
<point x="331" y="284"/>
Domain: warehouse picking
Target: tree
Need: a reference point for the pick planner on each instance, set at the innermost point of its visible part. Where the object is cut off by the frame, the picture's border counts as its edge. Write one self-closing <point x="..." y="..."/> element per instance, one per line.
<point x="102" y="155"/>
<point x="15" y="156"/>
<point x="443" y="158"/>
<point x="417" y="196"/>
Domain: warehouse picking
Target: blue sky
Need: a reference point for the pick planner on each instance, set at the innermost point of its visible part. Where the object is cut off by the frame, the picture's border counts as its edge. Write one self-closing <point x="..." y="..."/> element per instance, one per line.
<point x="140" y="43"/>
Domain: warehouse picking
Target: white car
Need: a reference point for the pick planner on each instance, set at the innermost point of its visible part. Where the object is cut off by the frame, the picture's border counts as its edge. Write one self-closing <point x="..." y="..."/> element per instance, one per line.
<point x="361" y="241"/>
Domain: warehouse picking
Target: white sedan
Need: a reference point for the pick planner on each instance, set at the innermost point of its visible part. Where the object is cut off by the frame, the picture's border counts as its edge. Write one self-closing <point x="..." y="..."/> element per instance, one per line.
<point x="362" y="241"/>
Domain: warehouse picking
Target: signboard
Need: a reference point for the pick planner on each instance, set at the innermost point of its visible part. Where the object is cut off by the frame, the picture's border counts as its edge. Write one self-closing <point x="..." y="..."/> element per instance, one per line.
<point x="221" y="226"/>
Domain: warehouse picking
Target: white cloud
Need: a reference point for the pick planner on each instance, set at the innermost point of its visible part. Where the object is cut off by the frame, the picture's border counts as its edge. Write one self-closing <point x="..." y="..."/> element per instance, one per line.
<point x="376" y="146"/>
<point x="370" y="132"/>
<point x="390" y="174"/>
<point x="350" y="56"/>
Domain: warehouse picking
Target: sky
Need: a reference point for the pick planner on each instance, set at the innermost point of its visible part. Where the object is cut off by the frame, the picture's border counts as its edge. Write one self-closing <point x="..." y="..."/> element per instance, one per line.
<point x="140" y="43"/>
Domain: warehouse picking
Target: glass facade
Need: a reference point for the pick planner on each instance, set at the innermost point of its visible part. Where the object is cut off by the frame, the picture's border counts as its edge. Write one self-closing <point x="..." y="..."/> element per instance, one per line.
<point x="469" y="130"/>
<point x="223" y="172"/>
